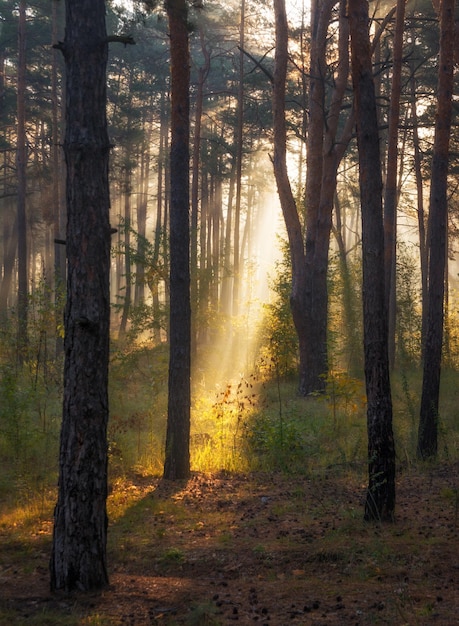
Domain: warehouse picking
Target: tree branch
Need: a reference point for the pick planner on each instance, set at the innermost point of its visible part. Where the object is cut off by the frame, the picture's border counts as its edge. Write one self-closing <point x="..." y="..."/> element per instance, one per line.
<point x="128" y="40"/>
<point x="258" y="64"/>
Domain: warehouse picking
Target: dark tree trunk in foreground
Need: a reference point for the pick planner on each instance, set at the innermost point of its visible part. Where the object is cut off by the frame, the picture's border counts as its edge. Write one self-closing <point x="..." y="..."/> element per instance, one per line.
<point x="438" y="217"/>
<point x="380" y="501"/>
<point x="80" y="520"/>
<point x="177" y="461"/>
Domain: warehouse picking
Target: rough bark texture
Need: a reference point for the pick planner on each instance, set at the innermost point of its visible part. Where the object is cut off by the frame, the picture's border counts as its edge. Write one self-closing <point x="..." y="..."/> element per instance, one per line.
<point x="177" y="462"/>
<point x="80" y="521"/>
<point x="380" y="501"/>
<point x="438" y="216"/>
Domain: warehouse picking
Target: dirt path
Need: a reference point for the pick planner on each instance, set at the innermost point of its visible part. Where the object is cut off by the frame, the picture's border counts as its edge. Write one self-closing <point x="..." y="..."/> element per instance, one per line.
<point x="266" y="549"/>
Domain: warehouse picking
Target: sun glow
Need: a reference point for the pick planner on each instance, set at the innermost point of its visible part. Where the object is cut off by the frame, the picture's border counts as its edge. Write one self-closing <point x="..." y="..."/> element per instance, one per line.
<point x="224" y="380"/>
<point x="233" y="342"/>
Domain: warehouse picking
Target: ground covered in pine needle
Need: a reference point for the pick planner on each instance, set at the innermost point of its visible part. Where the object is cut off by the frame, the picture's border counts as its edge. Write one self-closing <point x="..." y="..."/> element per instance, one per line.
<point x="263" y="548"/>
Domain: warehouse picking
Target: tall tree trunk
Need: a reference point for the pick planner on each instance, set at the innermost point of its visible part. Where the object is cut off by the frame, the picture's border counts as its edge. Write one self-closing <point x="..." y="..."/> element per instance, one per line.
<point x="195" y="177"/>
<point x="238" y="140"/>
<point x="177" y="461"/>
<point x="215" y="221"/>
<point x="59" y="250"/>
<point x="423" y="249"/>
<point x="390" y="191"/>
<point x="380" y="500"/>
<point x="161" y="223"/>
<point x="204" y="281"/>
<point x="227" y="277"/>
<point x="351" y="331"/>
<point x="141" y="210"/>
<point x="286" y="197"/>
<point x="313" y="360"/>
<point x="22" y="182"/>
<point x="319" y="210"/>
<point x="127" y="243"/>
<point x="10" y="239"/>
<point x="78" y="558"/>
<point x="309" y="297"/>
<point x="438" y="217"/>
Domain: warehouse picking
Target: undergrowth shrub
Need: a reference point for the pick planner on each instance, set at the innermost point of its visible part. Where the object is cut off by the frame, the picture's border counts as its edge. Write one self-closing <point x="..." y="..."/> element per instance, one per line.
<point x="138" y="406"/>
<point x="296" y="434"/>
<point x="408" y="320"/>
<point x="278" y="351"/>
<point x="29" y="435"/>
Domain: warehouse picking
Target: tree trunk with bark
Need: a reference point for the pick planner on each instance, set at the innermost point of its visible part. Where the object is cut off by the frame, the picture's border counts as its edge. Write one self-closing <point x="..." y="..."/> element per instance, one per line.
<point x="286" y="197"/>
<point x="390" y="189"/>
<point x="57" y="193"/>
<point x="310" y="258"/>
<point x="203" y="73"/>
<point x="127" y="190"/>
<point x="438" y="218"/>
<point x="10" y="238"/>
<point x="423" y="249"/>
<point x="238" y="148"/>
<point x="21" y="160"/>
<point x="177" y="461"/>
<point x="380" y="500"/>
<point x="78" y="558"/>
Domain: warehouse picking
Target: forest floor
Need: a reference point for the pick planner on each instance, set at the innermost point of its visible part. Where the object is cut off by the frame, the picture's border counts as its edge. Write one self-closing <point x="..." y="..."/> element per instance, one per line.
<point x="269" y="549"/>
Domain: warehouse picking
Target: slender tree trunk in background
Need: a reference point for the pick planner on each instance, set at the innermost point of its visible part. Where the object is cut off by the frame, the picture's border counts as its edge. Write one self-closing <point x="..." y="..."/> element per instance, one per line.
<point x="160" y="226"/>
<point x="423" y="251"/>
<point x="127" y="189"/>
<point x="215" y="221"/>
<point x="246" y="243"/>
<point x="447" y="329"/>
<point x="10" y="237"/>
<point x="22" y="183"/>
<point x="351" y="332"/>
<point x="59" y="250"/>
<point x="390" y="191"/>
<point x="227" y="274"/>
<point x="203" y="272"/>
<point x="78" y="559"/>
<point x="2" y="78"/>
<point x="195" y="176"/>
<point x="438" y="218"/>
<point x="141" y="210"/>
<point x="238" y="140"/>
<point x="177" y="461"/>
<point x="119" y="260"/>
<point x="380" y="500"/>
